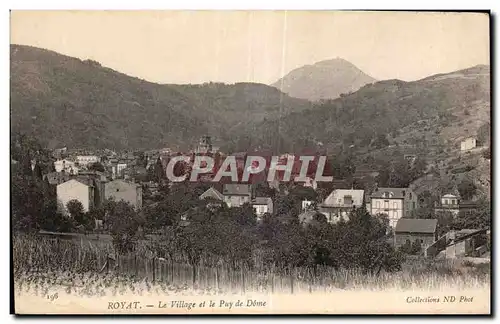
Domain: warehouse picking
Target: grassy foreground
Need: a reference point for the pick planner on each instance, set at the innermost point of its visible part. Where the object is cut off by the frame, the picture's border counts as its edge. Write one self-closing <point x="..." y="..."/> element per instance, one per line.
<point x="43" y="266"/>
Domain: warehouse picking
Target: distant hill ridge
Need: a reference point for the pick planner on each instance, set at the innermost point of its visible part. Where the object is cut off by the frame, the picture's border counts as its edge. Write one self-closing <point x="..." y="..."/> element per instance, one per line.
<point x="67" y="101"/>
<point x="79" y="103"/>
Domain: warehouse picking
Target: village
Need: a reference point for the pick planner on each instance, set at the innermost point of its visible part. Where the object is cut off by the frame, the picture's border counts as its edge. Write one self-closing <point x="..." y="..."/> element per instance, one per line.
<point x="93" y="177"/>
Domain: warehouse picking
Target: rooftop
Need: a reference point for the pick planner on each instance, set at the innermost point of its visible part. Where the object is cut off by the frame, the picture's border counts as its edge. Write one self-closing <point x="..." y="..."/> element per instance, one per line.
<point x="395" y="193"/>
<point x="237" y="190"/>
<point x="261" y="201"/>
<point x="410" y="225"/>
<point x="212" y="192"/>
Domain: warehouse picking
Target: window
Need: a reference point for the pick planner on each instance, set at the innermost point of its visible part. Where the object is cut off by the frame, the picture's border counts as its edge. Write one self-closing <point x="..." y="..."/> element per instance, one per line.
<point x="386" y="204"/>
<point x="394" y="205"/>
<point x="404" y="193"/>
<point x="413" y="204"/>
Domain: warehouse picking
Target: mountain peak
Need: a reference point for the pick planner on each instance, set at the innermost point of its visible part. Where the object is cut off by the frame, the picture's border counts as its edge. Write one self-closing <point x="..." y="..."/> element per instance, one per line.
<point x="334" y="61"/>
<point x="326" y="79"/>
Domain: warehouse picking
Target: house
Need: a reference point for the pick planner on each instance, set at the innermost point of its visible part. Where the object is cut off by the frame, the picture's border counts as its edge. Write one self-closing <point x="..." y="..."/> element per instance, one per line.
<point x="448" y="204"/>
<point x="97" y="180"/>
<point x="212" y="193"/>
<point x="74" y="189"/>
<point x="120" y="167"/>
<point x="468" y="144"/>
<point x="306" y="204"/>
<point x="66" y="165"/>
<point x="262" y="205"/>
<point x="235" y="195"/>
<point x="410" y="230"/>
<point x="468" y="208"/>
<point x="59" y="152"/>
<point x="56" y="178"/>
<point x="396" y="203"/>
<point x="123" y="190"/>
<point x="101" y="176"/>
<point x="151" y="186"/>
<point x="308" y="183"/>
<point x="340" y="203"/>
<point x="410" y="158"/>
<point x="466" y="243"/>
<point x="85" y="160"/>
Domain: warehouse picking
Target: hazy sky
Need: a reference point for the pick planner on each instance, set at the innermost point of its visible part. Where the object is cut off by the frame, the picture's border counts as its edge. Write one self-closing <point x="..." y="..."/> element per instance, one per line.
<point x="258" y="46"/>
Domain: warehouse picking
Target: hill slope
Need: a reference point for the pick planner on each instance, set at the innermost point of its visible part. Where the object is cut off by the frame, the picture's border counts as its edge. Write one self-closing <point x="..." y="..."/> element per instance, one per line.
<point x="428" y="117"/>
<point x="67" y="101"/>
<point x="323" y="80"/>
<point x="442" y="102"/>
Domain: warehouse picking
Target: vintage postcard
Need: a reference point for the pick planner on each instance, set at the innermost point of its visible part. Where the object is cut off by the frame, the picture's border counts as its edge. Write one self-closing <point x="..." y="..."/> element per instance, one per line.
<point x="250" y="162"/>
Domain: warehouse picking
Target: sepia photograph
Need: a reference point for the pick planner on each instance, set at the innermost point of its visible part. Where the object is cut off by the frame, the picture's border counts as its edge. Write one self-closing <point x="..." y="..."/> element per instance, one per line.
<point x="258" y="162"/>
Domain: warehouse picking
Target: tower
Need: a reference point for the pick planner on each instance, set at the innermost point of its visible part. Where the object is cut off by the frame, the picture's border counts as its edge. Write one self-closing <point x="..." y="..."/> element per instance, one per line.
<point x="205" y="144"/>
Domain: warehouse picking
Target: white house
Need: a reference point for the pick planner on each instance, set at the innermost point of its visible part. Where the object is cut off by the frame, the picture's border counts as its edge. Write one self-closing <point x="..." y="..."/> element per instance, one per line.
<point x="120" y="167"/>
<point x="394" y="202"/>
<point x="84" y="160"/>
<point x="449" y="203"/>
<point x="340" y="203"/>
<point x="468" y="144"/>
<point x="67" y="166"/>
<point x="306" y="204"/>
<point x="262" y="205"/>
<point x="236" y="195"/>
<point x="74" y="189"/>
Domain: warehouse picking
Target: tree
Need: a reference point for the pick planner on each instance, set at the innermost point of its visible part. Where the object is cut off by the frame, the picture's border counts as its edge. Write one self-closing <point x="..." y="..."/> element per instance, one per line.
<point x="75" y="208"/>
<point x="29" y="195"/>
<point x="77" y="213"/>
<point x="303" y="193"/>
<point x="26" y="203"/>
<point x="158" y="171"/>
<point x="123" y="223"/>
<point x="480" y="218"/>
<point x="484" y="134"/>
<point x="142" y="160"/>
<point x="364" y="241"/>
<point x="37" y="172"/>
<point x="467" y="189"/>
<point x="422" y="212"/>
<point x="446" y="222"/>
<point x="262" y="189"/>
<point x="244" y="215"/>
